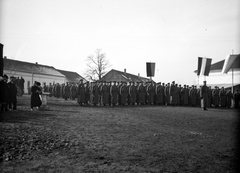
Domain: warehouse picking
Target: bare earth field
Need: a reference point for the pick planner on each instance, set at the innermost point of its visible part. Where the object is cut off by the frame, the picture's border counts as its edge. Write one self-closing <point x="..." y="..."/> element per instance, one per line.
<point x="69" y="138"/>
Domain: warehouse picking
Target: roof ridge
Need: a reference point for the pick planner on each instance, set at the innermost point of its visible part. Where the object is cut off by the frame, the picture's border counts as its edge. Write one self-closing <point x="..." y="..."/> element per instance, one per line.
<point x="6" y="59"/>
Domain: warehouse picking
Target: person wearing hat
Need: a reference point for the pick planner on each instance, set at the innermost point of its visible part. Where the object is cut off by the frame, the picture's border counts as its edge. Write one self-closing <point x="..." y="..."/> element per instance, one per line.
<point x="222" y="97"/>
<point x="66" y="91"/>
<point x="105" y="93"/>
<point x="229" y="97"/>
<point x="236" y="97"/>
<point x="81" y="93"/>
<point x="87" y="93"/>
<point x="124" y="93"/>
<point x="119" y="85"/>
<point x="204" y="96"/>
<point x="166" y="93"/>
<point x="12" y="94"/>
<point x="209" y="105"/>
<point x="193" y="96"/>
<point x="132" y="93"/>
<point x="96" y="93"/>
<point x="150" y="89"/>
<point x="35" y="95"/>
<point x="159" y="94"/>
<point x="4" y="93"/>
<point x="172" y="94"/>
<point x="141" y="94"/>
<point x="114" y="94"/>
<point x="185" y="95"/>
<point x="215" y="95"/>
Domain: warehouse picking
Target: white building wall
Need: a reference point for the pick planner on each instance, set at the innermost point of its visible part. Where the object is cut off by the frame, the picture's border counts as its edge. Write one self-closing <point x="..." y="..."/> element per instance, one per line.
<point x="217" y="78"/>
<point x="31" y="78"/>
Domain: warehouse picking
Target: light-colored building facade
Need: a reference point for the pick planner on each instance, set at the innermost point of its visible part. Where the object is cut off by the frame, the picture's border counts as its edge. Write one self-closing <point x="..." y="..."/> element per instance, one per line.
<point x="217" y="78"/>
<point x="32" y="72"/>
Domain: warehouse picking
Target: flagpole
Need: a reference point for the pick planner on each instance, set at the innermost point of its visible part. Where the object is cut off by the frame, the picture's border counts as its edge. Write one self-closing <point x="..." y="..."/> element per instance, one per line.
<point x="232" y="73"/>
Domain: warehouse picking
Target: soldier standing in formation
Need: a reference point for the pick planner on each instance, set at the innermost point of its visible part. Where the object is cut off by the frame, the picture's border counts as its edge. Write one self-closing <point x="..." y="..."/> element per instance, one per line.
<point x="81" y="93"/>
<point x="204" y="96"/>
<point x="236" y="97"/>
<point x="229" y="97"/>
<point x="172" y="94"/>
<point x="87" y="93"/>
<point x="140" y="93"/>
<point x="114" y="94"/>
<point x="150" y="93"/>
<point x="133" y="93"/>
<point x="124" y="94"/>
<point x="215" y="95"/>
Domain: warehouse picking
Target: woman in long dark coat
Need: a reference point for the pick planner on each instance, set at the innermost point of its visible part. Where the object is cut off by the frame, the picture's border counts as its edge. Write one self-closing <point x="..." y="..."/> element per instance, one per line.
<point x="35" y="96"/>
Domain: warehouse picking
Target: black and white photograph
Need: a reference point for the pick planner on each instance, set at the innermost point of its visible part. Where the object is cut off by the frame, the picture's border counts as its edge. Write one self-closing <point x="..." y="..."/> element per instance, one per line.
<point x="138" y="86"/>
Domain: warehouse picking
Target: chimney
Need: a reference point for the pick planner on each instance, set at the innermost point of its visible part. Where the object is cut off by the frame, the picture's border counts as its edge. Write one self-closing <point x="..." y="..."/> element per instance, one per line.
<point x="36" y="62"/>
<point x="5" y="57"/>
<point x="138" y="74"/>
<point x="125" y="71"/>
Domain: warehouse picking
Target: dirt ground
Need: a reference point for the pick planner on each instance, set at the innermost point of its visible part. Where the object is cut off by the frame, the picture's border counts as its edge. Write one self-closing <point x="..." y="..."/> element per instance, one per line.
<point x="68" y="138"/>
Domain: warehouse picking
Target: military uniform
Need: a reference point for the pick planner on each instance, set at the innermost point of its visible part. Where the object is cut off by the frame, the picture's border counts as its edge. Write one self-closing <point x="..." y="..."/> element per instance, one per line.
<point x="166" y="92"/>
<point x="215" y="94"/>
<point x="222" y="96"/>
<point x="172" y="94"/>
<point x="141" y="93"/>
<point x="95" y="92"/>
<point x="150" y="93"/>
<point x="66" y="91"/>
<point x="159" y="94"/>
<point x="105" y="94"/>
<point x="81" y="94"/>
<point x="124" y="94"/>
<point x="204" y="96"/>
<point x="114" y="94"/>
<point x="229" y="97"/>
<point x="133" y="94"/>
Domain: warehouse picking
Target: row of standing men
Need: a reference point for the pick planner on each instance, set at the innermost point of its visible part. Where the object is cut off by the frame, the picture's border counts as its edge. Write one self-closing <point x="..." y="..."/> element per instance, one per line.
<point x="119" y="93"/>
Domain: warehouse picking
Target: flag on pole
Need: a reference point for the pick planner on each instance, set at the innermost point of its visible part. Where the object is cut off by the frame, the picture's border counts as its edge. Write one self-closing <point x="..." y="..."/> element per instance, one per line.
<point x="204" y="65"/>
<point x="150" y="69"/>
<point x="229" y="61"/>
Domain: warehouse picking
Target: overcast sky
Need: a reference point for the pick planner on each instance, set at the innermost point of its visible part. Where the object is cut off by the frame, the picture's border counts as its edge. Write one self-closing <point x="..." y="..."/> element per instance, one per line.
<point x="171" y="33"/>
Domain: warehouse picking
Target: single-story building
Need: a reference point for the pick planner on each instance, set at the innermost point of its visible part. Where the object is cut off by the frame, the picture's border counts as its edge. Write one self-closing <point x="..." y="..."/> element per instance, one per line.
<point x="72" y="77"/>
<point x="32" y="72"/>
<point x="119" y="76"/>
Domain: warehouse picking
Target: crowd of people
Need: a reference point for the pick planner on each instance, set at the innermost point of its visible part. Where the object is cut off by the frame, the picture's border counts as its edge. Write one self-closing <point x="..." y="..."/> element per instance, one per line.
<point x="140" y="93"/>
<point x="8" y="93"/>
<point x="102" y="93"/>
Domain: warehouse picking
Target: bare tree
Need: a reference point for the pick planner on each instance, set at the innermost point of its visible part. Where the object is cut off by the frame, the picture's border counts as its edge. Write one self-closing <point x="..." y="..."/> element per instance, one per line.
<point x="97" y="64"/>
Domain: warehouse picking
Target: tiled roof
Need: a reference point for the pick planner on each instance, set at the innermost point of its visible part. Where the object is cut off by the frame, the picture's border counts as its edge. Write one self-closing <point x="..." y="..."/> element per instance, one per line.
<point x="72" y="76"/>
<point x="115" y="75"/>
<point x="14" y="65"/>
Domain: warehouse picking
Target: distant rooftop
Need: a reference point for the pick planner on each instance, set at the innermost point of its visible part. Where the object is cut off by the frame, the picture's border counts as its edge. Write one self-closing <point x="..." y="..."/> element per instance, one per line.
<point x="115" y="75"/>
<point x="15" y="65"/>
<point x="72" y="77"/>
